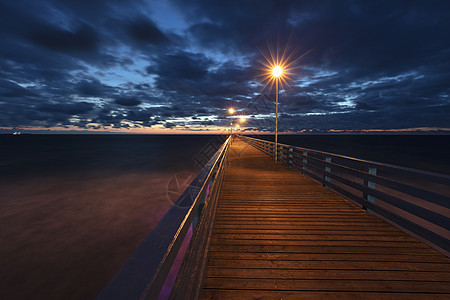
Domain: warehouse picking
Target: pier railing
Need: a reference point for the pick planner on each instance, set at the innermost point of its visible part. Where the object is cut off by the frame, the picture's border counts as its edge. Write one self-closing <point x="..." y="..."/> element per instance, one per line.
<point x="416" y="201"/>
<point x="144" y="274"/>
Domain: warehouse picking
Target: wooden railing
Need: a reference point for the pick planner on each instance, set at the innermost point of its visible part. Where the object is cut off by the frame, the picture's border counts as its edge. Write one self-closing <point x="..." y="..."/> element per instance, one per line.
<point x="416" y="201"/>
<point x="144" y="274"/>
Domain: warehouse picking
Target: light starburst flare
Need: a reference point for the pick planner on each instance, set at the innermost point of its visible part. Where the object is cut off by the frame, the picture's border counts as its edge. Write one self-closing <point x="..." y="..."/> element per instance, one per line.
<point x="279" y="67"/>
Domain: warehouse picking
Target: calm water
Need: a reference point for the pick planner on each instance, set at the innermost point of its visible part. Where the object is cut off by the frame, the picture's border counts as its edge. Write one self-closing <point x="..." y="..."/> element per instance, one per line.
<point x="424" y="152"/>
<point x="75" y="207"/>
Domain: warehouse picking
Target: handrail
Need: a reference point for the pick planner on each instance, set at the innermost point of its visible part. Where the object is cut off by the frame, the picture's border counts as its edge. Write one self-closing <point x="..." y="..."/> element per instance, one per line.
<point x="416" y="201"/>
<point x="144" y="274"/>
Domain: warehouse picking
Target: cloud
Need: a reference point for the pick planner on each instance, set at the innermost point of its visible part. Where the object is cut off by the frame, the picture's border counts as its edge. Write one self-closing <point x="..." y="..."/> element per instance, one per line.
<point x="92" y="87"/>
<point x="145" y="31"/>
<point x="83" y="39"/>
<point x="127" y="101"/>
<point x="9" y="89"/>
<point x="66" y="108"/>
<point x="181" y="65"/>
<point x="121" y="63"/>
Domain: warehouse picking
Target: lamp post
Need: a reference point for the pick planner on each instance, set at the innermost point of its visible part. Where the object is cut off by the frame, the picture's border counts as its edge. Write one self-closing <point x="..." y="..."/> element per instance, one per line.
<point x="242" y="121"/>
<point x="277" y="71"/>
<point x="278" y="66"/>
<point x="231" y="112"/>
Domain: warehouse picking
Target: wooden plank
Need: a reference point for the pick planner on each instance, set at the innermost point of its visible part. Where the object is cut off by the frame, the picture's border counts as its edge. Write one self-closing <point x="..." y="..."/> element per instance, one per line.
<point x="327" y="264"/>
<point x="303" y="232"/>
<point x="328" y="274"/>
<point x="294" y="216"/>
<point x="315" y="295"/>
<point x="275" y="209"/>
<point x="388" y="258"/>
<point x="278" y="234"/>
<point x="328" y="285"/>
<point x="294" y="221"/>
<point x="315" y="237"/>
<point x="315" y="226"/>
<point x="220" y="242"/>
<point x="317" y="249"/>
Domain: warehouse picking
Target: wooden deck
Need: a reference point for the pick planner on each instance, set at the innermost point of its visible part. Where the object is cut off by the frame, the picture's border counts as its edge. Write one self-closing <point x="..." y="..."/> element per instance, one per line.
<point x="279" y="235"/>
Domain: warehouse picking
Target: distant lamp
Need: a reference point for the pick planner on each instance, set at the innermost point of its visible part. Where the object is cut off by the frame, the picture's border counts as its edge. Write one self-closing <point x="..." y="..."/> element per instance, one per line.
<point x="231" y="112"/>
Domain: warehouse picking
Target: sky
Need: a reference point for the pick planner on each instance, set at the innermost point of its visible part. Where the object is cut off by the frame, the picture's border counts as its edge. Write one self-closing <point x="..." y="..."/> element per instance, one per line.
<point x="176" y="66"/>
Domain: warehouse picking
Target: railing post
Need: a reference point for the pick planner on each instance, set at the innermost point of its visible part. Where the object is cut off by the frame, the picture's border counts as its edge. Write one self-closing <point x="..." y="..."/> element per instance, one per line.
<point x="328" y="170"/>
<point x="203" y="200"/>
<point x="372" y="185"/>
<point x="290" y="163"/>
<point x="305" y="161"/>
<point x="200" y="208"/>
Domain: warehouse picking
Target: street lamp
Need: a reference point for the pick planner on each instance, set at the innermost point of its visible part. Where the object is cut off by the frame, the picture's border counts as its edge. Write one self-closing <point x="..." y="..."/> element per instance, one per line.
<point x="242" y="121"/>
<point x="277" y="72"/>
<point x="278" y="67"/>
<point x="231" y="112"/>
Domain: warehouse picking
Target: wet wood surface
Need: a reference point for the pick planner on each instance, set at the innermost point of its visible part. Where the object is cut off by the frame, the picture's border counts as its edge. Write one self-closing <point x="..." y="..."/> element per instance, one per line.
<point x="280" y="235"/>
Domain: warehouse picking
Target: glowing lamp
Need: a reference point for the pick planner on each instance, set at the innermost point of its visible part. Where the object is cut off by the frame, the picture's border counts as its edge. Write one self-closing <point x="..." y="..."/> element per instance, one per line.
<point x="277" y="71"/>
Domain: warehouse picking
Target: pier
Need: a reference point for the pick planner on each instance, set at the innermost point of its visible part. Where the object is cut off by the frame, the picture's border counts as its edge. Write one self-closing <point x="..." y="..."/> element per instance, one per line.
<point x="284" y="230"/>
<point x="279" y="234"/>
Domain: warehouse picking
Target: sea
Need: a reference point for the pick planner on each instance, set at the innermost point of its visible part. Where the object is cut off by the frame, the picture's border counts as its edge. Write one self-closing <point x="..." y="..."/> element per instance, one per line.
<point x="75" y="207"/>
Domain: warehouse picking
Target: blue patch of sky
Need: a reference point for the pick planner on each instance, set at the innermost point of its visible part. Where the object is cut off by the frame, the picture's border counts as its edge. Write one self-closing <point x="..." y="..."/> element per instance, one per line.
<point x="167" y="16"/>
<point x="120" y="75"/>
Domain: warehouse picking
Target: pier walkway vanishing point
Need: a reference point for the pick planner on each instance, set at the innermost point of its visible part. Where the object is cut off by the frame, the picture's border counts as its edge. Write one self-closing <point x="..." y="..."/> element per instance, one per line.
<point x="280" y="235"/>
<point x="263" y="230"/>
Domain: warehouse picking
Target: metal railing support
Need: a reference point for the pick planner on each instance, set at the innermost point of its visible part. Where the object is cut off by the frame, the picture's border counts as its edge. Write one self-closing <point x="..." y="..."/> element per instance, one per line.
<point x="305" y="161"/>
<point x="326" y="178"/>
<point x="372" y="185"/>
<point x="291" y="157"/>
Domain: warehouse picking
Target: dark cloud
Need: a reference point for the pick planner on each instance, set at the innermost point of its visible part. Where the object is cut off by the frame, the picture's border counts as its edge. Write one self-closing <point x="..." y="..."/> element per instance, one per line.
<point x="145" y="31"/>
<point x="54" y="38"/>
<point x="12" y="90"/>
<point x="92" y="87"/>
<point x="181" y="65"/>
<point x="66" y="108"/>
<point x="169" y="125"/>
<point x="125" y="101"/>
